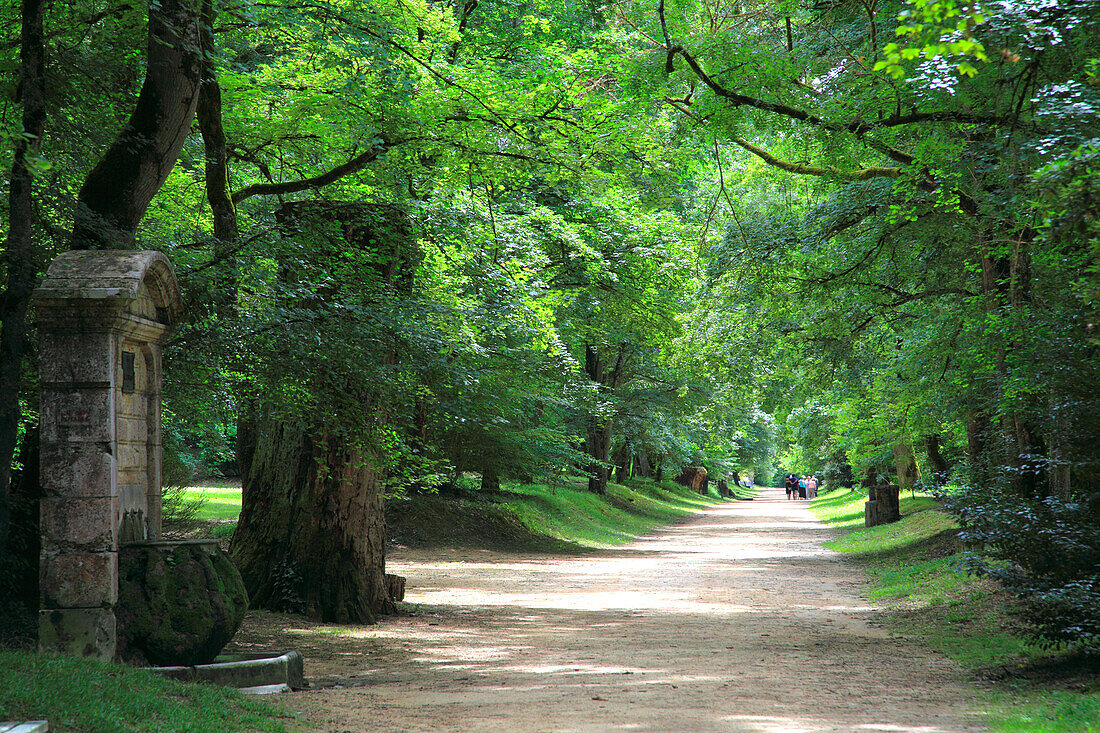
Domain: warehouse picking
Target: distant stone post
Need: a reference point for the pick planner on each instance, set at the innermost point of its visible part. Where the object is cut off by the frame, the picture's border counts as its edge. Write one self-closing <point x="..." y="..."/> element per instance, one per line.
<point x="102" y="316"/>
<point x="884" y="501"/>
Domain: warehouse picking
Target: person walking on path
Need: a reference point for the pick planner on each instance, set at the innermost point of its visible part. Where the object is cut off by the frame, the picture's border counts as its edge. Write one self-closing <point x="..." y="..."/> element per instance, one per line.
<point x="811" y="487"/>
<point x="790" y="483"/>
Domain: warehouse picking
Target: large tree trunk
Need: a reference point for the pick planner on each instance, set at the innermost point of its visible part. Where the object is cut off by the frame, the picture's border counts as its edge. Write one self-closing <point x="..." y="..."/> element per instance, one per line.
<point x="117" y="192"/>
<point x="597" y="444"/>
<point x="622" y="462"/>
<point x="20" y="254"/>
<point x="311" y="535"/>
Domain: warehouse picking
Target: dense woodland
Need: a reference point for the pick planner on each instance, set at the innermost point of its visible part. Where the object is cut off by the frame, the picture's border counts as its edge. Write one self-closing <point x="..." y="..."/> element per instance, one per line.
<point x="535" y="239"/>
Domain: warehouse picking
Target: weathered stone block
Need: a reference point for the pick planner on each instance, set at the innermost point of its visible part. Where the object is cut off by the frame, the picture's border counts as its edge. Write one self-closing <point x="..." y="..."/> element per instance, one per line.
<point x="132" y="430"/>
<point x="82" y="632"/>
<point x="884" y="506"/>
<point x="87" y="524"/>
<point x="75" y="470"/>
<point x="86" y="357"/>
<point x="77" y="414"/>
<point x="80" y="581"/>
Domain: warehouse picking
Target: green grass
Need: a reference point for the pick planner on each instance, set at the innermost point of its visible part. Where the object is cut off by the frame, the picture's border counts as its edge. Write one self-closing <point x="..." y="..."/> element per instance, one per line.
<point x="916" y="570"/>
<point x="219" y="501"/>
<point x="538" y="517"/>
<point x="85" y="695"/>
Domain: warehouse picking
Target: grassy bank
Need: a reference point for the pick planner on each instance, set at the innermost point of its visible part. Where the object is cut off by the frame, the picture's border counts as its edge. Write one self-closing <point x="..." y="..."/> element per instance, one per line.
<point x="94" y="697"/>
<point x="538" y="517"/>
<point x="915" y="569"/>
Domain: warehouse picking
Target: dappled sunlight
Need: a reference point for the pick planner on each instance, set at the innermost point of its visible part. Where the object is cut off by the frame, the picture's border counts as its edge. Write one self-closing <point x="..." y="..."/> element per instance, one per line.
<point x="734" y="622"/>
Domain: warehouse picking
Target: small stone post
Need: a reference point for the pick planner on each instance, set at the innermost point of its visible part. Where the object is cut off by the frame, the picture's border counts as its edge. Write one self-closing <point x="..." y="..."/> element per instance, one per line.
<point x="884" y="501"/>
<point x="102" y="316"/>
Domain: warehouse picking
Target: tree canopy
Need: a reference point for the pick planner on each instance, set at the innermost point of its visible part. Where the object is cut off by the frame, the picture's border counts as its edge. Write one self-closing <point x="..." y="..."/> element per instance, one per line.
<point x="528" y="240"/>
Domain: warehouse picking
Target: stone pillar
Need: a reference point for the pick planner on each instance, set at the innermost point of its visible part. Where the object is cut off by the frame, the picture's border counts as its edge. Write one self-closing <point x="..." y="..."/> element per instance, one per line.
<point x="101" y="318"/>
<point x="884" y="505"/>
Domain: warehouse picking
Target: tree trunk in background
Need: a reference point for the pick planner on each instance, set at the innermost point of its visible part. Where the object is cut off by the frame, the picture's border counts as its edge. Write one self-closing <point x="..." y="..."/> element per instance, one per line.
<point x="597" y="443"/>
<point x="622" y="462"/>
<point x="977" y="438"/>
<point x="642" y="467"/>
<point x="311" y="535"/>
<point x="20" y="254"/>
<point x="906" y="466"/>
<point x="490" y="480"/>
<point x="1060" y="469"/>
<point x="117" y="192"/>
<point x="937" y="464"/>
<point x="208" y="112"/>
<point x="597" y="439"/>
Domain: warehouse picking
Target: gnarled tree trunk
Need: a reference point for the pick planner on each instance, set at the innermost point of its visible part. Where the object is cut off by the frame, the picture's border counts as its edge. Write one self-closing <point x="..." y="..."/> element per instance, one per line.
<point x="311" y="536"/>
<point x="117" y="192"/>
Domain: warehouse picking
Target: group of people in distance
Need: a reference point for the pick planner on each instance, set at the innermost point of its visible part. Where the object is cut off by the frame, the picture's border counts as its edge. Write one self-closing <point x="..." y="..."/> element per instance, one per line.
<point x="800" y="487"/>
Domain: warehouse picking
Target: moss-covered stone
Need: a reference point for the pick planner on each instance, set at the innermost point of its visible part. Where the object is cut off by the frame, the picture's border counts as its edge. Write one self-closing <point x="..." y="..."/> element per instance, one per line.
<point x="179" y="604"/>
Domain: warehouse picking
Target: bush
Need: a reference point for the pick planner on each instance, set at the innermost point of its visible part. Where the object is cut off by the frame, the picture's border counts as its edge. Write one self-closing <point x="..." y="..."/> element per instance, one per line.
<point x="838" y="474"/>
<point x="1046" y="552"/>
<point x="178" y="511"/>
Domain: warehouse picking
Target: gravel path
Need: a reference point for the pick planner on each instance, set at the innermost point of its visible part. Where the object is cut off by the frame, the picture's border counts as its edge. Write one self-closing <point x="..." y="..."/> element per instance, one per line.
<point x="736" y="619"/>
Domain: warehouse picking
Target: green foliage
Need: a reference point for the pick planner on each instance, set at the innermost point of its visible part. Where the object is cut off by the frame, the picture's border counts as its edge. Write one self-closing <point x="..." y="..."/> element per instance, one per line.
<point x="1047" y="553"/>
<point x="936" y="30"/>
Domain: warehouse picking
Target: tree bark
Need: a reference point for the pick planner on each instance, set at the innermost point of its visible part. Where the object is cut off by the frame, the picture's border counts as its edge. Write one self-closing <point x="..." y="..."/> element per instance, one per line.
<point x="597" y="442"/>
<point x="117" y="192"/>
<point x="490" y="480"/>
<point x="936" y="462"/>
<point x="311" y="535"/>
<point x="20" y="255"/>
<point x="622" y="462"/>
<point x="209" y="113"/>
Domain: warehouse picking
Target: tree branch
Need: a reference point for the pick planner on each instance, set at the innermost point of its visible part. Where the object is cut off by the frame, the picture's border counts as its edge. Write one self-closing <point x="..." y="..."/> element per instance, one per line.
<point x="860" y="174"/>
<point x="357" y="163"/>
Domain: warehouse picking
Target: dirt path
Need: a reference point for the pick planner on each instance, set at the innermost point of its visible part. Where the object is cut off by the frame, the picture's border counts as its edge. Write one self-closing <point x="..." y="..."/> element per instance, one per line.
<point x="735" y="620"/>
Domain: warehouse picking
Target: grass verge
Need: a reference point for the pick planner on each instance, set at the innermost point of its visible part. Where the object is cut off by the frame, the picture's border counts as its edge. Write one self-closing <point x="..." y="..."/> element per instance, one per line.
<point x="538" y="517"/>
<point x="915" y="566"/>
<point x="85" y="695"/>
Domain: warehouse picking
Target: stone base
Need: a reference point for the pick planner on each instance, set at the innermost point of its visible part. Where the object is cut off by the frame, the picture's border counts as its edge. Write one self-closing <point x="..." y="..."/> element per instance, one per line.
<point x="33" y="726"/>
<point x="249" y="672"/>
<point x="81" y="632"/>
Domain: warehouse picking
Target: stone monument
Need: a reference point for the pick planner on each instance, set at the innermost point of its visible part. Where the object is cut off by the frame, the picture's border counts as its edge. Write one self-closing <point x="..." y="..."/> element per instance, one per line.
<point x="102" y="317"/>
<point x="884" y="501"/>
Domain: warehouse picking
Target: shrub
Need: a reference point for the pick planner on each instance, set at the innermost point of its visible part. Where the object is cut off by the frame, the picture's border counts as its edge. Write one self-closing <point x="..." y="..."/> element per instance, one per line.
<point x="1045" y="551"/>
<point x="838" y="474"/>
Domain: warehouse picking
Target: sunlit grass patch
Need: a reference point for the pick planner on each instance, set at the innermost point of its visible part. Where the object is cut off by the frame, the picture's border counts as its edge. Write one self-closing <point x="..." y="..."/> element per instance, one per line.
<point x="218" y="501"/>
<point x="540" y="517"/>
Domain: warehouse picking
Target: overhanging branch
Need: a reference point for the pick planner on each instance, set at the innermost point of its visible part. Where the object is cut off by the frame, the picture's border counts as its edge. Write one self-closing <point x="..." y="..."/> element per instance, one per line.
<point x="860" y="174"/>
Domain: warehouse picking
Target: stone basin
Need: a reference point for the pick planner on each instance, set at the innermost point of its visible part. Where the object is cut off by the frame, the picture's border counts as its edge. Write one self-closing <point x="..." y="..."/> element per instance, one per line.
<point x="250" y="673"/>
